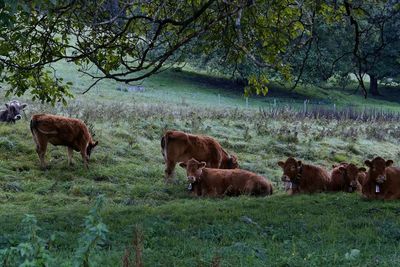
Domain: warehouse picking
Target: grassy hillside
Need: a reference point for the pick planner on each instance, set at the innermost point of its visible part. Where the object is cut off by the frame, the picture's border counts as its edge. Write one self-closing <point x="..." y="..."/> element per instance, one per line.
<point x="127" y="167"/>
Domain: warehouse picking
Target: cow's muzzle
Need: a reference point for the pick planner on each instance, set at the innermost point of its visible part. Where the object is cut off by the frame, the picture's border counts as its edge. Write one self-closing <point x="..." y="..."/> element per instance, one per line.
<point x="17" y="117"/>
<point x="353" y="186"/>
<point x="285" y="178"/>
<point x="191" y="179"/>
<point x="381" y="179"/>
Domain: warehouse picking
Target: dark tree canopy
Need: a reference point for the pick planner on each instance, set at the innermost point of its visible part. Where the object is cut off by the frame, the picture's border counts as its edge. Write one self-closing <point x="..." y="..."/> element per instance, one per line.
<point x="130" y="40"/>
<point x="362" y="39"/>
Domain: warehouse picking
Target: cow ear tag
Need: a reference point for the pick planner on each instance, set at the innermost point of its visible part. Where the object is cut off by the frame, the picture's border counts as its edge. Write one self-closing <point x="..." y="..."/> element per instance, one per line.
<point x="189" y="187"/>
<point x="377" y="189"/>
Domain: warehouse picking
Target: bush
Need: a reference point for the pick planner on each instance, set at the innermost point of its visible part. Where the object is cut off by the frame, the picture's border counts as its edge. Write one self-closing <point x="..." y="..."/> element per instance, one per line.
<point x="34" y="253"/>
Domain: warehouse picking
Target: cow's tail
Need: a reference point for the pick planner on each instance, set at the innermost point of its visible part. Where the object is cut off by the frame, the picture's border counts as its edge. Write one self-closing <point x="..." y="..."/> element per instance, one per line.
<point x="33" y="125"/>
<point x="164" y="145"/>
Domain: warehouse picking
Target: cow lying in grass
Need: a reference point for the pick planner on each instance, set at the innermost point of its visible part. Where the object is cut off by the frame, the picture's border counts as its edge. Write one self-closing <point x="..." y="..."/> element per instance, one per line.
<point x="178" y="146"/>
<point x="304" y="178"/>
<point x="382" y="181"/>
<point x="347" y="177"/>
<point x="12" y="112"/>
<point x="220" y="182"/>
<point x="61" y="131"/>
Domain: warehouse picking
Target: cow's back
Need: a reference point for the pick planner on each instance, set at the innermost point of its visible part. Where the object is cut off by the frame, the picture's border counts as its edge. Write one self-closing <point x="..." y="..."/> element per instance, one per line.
<point x="179" y="147"/>
<point x="313" y="179"/>
<point x="337" y="180"/>
<point x="60" y="130"/>
<point x="234" y="182"/>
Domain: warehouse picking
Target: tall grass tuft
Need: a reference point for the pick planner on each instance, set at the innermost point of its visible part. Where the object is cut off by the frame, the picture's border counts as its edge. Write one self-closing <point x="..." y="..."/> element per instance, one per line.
<point x="136" y="246"/>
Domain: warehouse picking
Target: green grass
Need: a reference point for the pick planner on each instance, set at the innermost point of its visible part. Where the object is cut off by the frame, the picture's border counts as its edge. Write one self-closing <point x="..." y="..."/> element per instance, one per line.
<point x="189" y="88"/>
<point x="127" y="166"/>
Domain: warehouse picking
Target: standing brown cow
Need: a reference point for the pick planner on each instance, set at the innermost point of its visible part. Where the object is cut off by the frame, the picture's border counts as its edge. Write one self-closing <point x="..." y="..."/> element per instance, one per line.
<point x="177" y="146"/>
<point x="61" y="131"/>
<point x="382" y="181"/>
<point x="304" y="178"/>
<point x="346" y="177"/>
<point x="219" y="182"/>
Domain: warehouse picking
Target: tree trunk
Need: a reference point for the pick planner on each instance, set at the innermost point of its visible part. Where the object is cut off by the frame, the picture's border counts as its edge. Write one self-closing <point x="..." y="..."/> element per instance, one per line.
<point x="373" y="85"/>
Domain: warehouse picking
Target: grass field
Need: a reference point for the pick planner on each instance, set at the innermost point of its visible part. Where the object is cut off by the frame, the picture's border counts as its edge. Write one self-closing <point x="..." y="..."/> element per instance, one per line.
<point x="178" y="230"/>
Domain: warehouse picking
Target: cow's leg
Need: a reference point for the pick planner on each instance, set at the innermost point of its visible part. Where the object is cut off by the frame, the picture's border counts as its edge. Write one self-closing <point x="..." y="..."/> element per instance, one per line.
<point x="169" y="170"/>
<point x="85" y="158"/>
<point x="69" y="151"/>
<point x="41" y="148"/>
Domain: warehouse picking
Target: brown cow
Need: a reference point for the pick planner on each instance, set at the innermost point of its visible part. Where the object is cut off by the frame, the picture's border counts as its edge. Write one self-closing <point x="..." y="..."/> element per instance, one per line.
<point x="61" y="131"/>
<point x="177" y="146"/>
<point x="346" y="177"/>
<point x="219" y="182"/>
<point x="304" y="178"/>
<point x="382" y="181"/>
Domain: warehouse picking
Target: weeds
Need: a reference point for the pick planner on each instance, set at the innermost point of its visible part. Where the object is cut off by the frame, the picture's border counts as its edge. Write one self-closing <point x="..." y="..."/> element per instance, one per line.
<point x="32" y="252"/>
<point x="137" y="247"/>
<point x="94" y="235"/>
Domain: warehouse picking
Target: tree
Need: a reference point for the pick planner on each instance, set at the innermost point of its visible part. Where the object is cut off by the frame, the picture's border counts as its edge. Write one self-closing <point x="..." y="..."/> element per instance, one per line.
<point x="371" y="49"/>
<point x="131" y="40"/>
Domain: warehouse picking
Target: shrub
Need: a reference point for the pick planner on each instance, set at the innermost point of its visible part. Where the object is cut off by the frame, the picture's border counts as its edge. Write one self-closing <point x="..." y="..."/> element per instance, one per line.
<point x="32" y="252"/>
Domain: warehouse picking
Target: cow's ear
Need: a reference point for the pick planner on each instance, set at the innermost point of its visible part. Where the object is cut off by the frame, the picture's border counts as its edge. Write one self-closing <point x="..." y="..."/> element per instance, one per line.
<point x="281" y="164"/>
<point x="362" y="169"/>
<point x="202" y="165"/>
<point x="23" y="106"/>
<point x="389" y="163"/>
<point x="334" y="165"/>
<point x="368" y="163"/>
<point x="7" y="106"/>
<point x="299" y="163"/>
<point x="183" y="165"/>
<point x="95" y="143"/>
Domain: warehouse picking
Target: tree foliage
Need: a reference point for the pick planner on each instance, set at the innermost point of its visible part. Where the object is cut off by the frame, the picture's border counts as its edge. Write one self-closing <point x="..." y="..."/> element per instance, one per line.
<point x="362" y="38"/>
<point x="131" y="40"/>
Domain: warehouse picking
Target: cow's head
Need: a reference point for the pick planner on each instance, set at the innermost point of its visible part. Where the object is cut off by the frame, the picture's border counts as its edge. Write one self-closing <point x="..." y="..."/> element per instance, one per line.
<point x="13" y="111"/>
<point x="231" y="162"/>
<point x="90" y="147"/>
<point x="194" y="169"/>
<point x="291" y="170"/>
<point x="350" y="174"/>
<point x="377" y="169"/>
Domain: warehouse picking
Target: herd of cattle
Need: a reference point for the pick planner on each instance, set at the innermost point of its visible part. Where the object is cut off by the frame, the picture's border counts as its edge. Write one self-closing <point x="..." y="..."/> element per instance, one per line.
<point x="211" y="171"/>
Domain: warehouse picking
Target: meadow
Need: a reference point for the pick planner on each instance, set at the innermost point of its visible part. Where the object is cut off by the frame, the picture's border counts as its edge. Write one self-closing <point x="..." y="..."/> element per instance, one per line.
<point x="178" y="230"/>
